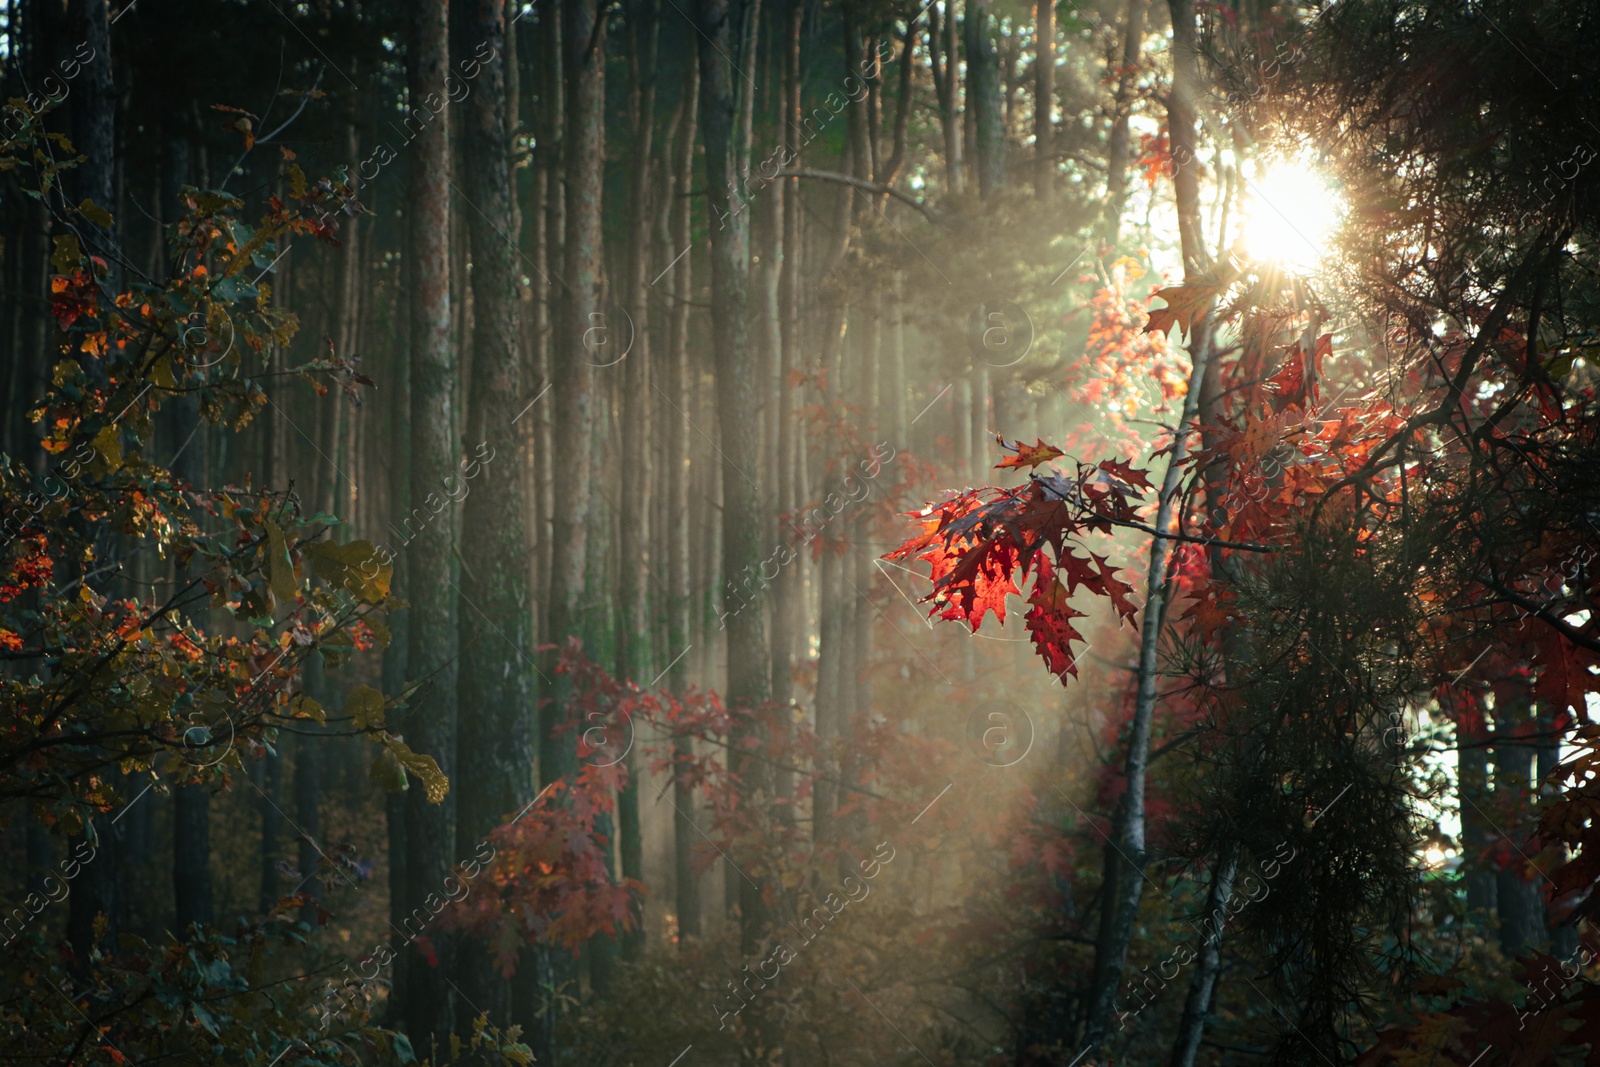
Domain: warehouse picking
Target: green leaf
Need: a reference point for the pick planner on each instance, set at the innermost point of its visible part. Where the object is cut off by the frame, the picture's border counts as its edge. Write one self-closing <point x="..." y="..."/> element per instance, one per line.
<point x="234" y="290"/>
<point x="205" y="1019"/>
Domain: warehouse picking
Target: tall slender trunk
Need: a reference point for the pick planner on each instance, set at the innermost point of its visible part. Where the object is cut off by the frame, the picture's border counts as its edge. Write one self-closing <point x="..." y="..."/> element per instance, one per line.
<point x="496" y="681"/>
<point x="787" y="587"/>
<point x="634" y="652"/>
<point x="679" y="598"/>
<point x="431" y="721"/>
<point x="1519" y="895"/>
<point x="725" y="121"/>
<point x="94" y="135"/>
<point x="1203" y="982"/>
<point x="552" y="162"/>
<point x="1117" y="145"/>
<point x="574" y="358"/>
<point x="1129" y="860"/>
<point x="947" y="87"/>
<point x="396" y="657"/>
<point x="1472" y="789"/>
<point x="1111" y="952"/>
<point x="1044" y="95"/>
<point x="831" y="653"/>
<point x="191" y="856"/>
<point x="984" y="98"/>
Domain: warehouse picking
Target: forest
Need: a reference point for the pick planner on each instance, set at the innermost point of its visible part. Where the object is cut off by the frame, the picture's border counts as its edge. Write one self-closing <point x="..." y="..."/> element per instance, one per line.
<point x="799" y="533"/>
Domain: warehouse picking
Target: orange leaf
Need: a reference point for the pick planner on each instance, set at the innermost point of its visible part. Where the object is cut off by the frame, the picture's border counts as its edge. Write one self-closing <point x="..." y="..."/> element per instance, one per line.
<point x="1185" y="304"/>
<point x="1029" y="456"/>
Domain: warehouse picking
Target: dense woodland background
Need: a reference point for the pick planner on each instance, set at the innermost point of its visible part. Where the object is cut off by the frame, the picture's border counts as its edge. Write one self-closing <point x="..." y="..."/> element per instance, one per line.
<point x="501" y="504"/>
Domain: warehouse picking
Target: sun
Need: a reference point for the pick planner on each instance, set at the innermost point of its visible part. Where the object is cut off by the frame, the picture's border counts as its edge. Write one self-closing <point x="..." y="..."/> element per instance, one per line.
<point x="1291" y="211"/>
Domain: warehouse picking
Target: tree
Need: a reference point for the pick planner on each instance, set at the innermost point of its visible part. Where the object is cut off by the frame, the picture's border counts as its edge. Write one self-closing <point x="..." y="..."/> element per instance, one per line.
<point x="499" y="717"/>
<point x="432" y="628"/>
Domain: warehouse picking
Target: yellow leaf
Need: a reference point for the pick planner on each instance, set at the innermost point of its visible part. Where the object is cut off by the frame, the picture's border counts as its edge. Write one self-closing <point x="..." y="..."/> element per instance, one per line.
<point x="358" y="567"/>
<point x="280" y="568"/>
<point x="303" y="707"/>
<point x="433" y="780"/>
<point x="388" y="774"/>
<point x="67" y="255"/>
<point x="95" y="213"/>
<point x="161" y="373"/>
<point x="364" y="705"/>
<point x="380" y="632"/>
<point x="109" y="446"/>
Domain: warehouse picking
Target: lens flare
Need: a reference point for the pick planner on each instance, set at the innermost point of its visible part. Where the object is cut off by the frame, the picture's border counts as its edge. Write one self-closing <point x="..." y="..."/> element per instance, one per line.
<point x="1290" y="213"/>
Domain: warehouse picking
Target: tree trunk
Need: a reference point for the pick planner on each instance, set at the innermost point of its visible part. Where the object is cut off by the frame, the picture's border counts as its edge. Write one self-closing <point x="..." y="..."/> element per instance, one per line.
<point x="1129" y="860"/>
<point x="191" y="856"/>
<point x="1203" y="982"/>
<point x="308" y="795"/>
<point x="680" y="600"/>
<point x="787" y="587"/>
<point x="984" y="97"/>
<point x="1472" y="786"/>
<point x="634" y="653"/>
<point x="1044" y="95"/>
<point x="1117" y="144"/>
<point x="946" y="81"/>
<point x="722" y="23"/>
<point x="433" y="643"/>
<point x="574" y="357"/>
<point x="270" y="890"/>
<point x="496" y="680"/>
<point x="1519" y="893"/>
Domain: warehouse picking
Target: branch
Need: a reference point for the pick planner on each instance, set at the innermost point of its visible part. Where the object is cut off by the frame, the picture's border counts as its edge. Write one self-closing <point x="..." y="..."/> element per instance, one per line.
<point x="1533" y="607"/>
<point x="1218" y="542"/>
<point x="859" y="183"/>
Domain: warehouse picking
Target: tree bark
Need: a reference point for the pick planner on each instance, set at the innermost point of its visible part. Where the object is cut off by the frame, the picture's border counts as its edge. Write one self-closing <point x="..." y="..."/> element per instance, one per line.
<point x="725" y="125"/>
<point x="679" y="543"/>
<point x="1117" y="144"/>
<point x="1129" y="859"/>
<point x="575" y="354"/>
<point x="496" y="680"/>
<point x="1519" y="895"/>
<point x="634" y="652"/>
<point x="1044" y="95"/>
<point x="946" y="81"/>
<point x="1203" y="982"/>
<point x="433" y="641"/>
<point x="191" y="856"/>
<point x="984" y="98"/>
<point x="787" y="587"/>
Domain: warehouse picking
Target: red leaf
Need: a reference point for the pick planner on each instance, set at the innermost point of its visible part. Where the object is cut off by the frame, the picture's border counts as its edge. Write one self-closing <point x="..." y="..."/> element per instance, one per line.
<point x="1122" y="469"/>
<point x="1049" y="621"/>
